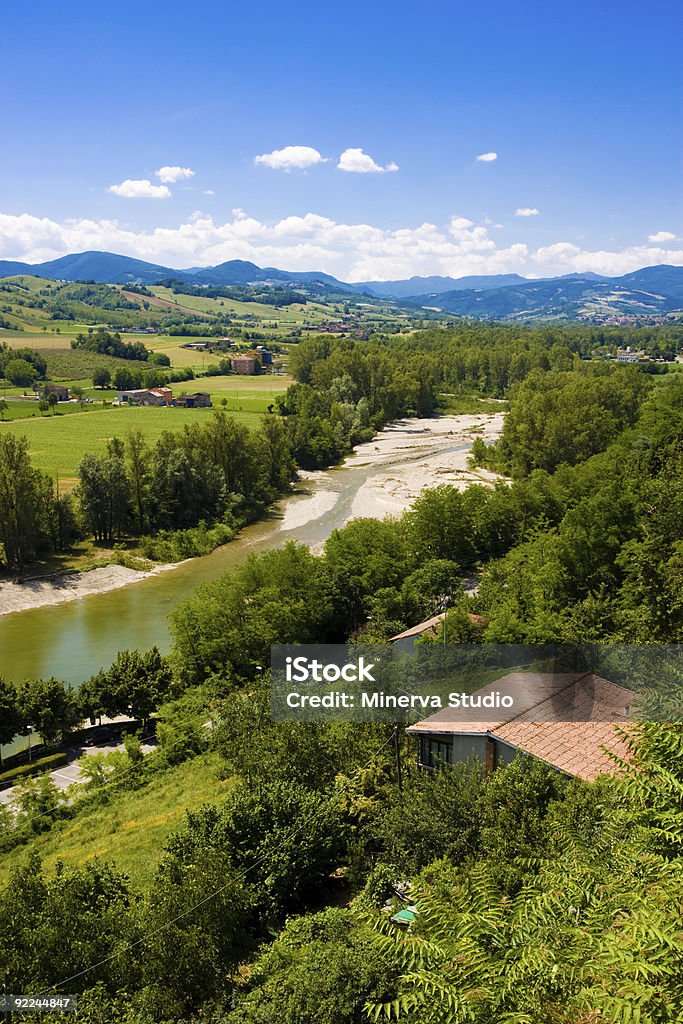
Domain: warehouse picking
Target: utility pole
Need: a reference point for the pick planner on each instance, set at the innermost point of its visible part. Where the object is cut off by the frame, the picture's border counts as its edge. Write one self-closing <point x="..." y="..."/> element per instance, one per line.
<point x="397" y="751"/>
<point x="7" y="1015"/>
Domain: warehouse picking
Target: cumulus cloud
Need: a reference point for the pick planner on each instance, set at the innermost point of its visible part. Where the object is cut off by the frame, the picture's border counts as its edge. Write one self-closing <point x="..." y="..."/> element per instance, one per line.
<point x="354" y="252"/>
<point x="662" y="236"/>
<point x="291" y="158"/>
<point x="209" y="192"/>
<point x="355" y="161"/>
<point x="172" y="174"/>
<point x="526" y="211"/>
<point x="140" y="188"/>
<point x="487" y="158"/>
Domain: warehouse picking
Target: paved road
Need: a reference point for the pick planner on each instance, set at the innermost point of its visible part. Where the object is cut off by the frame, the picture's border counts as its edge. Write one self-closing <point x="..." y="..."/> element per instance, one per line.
<point x="69" y="773"/>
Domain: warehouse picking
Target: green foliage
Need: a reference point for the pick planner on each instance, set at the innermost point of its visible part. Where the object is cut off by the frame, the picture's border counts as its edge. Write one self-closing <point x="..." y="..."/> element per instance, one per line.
<point x="565" y="416"/>
<point x="435" y="816"/>
<point x="48" y="706"/>
<point x="36" y="767"/>
<point x="321" y="968"/>
<point x="286" y="837"/>
<point x="136" y="684"/>
<point x="20" y="372"/>
<point x="21" y="366"/>
<point x="110" y="344"/>
<point x="278" y="597"/>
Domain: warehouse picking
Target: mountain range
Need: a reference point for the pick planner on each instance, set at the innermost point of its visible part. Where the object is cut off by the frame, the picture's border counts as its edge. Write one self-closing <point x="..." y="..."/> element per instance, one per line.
<point x="651" y="291"/>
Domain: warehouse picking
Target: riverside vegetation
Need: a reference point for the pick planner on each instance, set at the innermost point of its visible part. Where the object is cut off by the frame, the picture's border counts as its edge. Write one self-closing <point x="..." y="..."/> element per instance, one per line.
<point x="540" y="898"/>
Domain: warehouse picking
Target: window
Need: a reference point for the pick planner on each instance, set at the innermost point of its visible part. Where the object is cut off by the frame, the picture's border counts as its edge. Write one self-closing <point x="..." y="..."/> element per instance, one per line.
<point x="436" y="752"/>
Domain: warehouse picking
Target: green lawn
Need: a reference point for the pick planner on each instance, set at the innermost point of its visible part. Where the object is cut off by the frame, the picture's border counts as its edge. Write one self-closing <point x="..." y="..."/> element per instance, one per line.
<point x="132" y="828"/>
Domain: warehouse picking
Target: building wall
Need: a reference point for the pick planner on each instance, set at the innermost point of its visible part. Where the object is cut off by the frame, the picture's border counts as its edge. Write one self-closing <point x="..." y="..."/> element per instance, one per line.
<point x="462" y="748"/>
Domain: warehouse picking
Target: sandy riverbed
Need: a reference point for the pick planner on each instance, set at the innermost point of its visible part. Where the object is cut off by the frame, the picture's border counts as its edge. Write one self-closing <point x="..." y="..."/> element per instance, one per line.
<point x="429" y="442"/>
<point x="410" y="454"/>
<point x="17" y="597"/>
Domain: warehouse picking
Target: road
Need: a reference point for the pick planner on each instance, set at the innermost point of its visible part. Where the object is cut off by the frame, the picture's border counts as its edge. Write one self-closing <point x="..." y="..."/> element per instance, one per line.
<point x="67" y="774"/>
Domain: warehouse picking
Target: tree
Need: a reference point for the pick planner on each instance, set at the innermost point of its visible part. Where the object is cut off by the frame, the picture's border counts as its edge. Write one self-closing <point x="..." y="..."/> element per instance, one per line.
<point x="20" y="490"/>
<point x="125" y="379"/>
<point x="4" y="406"/>
<point x="139" y="682"/>
<point x="52" y="401"/>
<point x="20" y="372"/>
<point x="104" y="492"/>
<point x="35" y="800"/>
<point x="49" y="706"/>
<point x="322" y="967"/>
<point x="138" y="460"/>
<point x="101" y="377"/>
<point x="286" y="837"/>
<point x="10" y="718"/>
<point x="363" y="557"/>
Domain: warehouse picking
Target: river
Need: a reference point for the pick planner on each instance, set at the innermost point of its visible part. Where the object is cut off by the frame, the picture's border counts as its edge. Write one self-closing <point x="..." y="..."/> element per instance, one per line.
<point x="74" y="639"/>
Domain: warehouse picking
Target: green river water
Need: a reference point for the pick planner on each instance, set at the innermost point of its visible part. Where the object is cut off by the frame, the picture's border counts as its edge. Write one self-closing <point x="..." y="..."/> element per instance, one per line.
<point x="73" y="640"/>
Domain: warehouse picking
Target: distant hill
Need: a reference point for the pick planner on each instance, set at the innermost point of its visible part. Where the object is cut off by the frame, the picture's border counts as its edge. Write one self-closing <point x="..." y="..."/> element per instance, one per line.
<point x="436" y="285"/>
<point x="652" y="291"/>
<point x="109" y="268"/>
<point x="102" y="267"/>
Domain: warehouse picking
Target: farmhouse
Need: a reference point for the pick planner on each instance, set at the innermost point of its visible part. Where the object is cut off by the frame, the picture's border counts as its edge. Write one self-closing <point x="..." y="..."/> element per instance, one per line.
<point x="565" y="719"/>
<point x="61" y="392"/>
<point x="145" y="396"/>
<point x="245" y="365"/>
<point x="200" y="400"/>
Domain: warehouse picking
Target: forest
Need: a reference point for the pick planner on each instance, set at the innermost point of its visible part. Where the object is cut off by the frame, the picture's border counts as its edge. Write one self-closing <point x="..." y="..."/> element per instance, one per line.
<point x="540" y="898"/>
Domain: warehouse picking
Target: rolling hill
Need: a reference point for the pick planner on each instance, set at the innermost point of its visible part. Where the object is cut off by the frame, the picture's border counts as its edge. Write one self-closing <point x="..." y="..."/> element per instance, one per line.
<point x="437" y="285"/>
<point x="645" y="293"/>
<point x="109" y="268"/>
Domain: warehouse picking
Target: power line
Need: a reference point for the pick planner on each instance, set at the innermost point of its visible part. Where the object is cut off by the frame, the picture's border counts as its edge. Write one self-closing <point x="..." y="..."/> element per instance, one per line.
<point x="216" y="892"/>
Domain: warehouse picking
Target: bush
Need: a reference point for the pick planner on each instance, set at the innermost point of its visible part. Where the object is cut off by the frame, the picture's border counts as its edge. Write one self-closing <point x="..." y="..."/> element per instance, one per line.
<point x="24" y="771"/>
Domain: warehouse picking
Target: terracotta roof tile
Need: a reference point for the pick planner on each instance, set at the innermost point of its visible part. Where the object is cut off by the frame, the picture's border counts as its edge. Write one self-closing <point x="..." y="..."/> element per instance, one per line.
<point x="566" y="720"/>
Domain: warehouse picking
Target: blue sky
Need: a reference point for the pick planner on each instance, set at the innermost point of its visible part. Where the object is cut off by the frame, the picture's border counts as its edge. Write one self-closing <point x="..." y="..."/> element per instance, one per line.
<point x="581" y="104"/>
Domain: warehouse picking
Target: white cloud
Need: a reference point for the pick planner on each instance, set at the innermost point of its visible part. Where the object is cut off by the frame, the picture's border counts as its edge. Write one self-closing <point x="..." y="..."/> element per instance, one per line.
<point x="526" y="211"/>
<point x="173" y="174"/>
<point x="209" y="192"/>
<point x="356" y="161"/>
<point x="662" y="236"/>
<point x="487" y="158"/>
<point x="140" y="188"/>
<point x="291" y="158"/>
<point x="353" y="252"/>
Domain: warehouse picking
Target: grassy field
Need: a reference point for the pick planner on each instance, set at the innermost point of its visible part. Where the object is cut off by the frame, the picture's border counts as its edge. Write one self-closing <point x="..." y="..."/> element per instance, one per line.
<point x="20" y="410"/>
<point x="58" y="442"/>
<point x="132" y="828"/>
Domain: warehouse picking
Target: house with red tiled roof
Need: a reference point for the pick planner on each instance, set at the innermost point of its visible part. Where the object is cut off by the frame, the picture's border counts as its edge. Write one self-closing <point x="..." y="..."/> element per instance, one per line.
<point x="567" y="719"/>
<point x="405" y="641"/>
